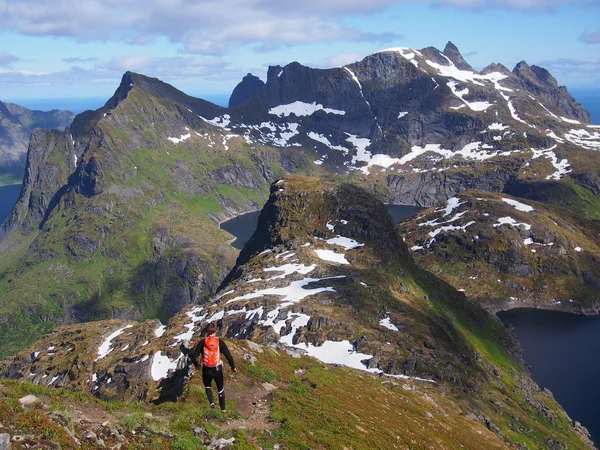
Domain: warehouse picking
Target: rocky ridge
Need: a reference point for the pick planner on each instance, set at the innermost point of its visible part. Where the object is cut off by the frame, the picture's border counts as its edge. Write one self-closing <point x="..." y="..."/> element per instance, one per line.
<point x="422" y="123"/>
<point x="325" y="275"/>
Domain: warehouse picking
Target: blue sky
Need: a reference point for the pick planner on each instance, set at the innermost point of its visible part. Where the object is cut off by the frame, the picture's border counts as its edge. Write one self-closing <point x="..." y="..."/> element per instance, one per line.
<point x="81" y="48"/>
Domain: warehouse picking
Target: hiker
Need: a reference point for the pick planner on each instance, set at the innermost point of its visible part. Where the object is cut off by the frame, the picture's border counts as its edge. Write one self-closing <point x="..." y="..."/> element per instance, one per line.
<point x="207" y="353"/>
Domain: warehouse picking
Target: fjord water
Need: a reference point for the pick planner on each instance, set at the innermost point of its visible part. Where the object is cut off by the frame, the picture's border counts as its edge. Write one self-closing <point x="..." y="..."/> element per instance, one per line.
<point x="8" y="198"/>
<point x="563" y="351"/>
<point x="243" y="226"/>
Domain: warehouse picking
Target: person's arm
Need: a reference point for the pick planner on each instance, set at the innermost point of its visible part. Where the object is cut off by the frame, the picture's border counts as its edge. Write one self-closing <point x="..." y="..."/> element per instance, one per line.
<point x="225" y="351"/>
<point x="197" y="352"/>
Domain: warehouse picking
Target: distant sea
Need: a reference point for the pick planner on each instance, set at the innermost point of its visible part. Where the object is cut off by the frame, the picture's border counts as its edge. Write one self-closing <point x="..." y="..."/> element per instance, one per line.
<point x="590" y="99"/>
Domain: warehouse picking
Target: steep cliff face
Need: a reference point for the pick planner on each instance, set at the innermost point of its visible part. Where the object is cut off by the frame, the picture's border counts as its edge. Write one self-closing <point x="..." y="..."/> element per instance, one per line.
<point x="124" y="207"/>
<point x="507" y="252"/>
<point x="13" y="143"/>
<point x="324" y="276"/>
<point x="16" y="125"/>
<point x="51" y="159"/>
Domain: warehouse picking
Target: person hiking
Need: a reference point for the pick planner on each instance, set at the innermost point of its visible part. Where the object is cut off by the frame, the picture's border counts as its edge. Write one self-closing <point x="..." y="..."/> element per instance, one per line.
<point x="207" y="353"/>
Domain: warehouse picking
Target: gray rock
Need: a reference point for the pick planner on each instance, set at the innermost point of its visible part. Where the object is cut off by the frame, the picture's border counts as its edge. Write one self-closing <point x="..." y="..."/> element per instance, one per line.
<point x="28" y="401"/>
<point x="250" y="358"/>
<point x="89" y="434"/>
<point x="221" y="443"/>
<point x="254" y="346"/>
<point x="269" y="387"/>
<point x="4" y="441"/>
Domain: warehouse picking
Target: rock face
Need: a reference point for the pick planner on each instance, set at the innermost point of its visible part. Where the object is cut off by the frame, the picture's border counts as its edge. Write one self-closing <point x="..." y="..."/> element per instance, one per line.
<point x="16" y="125"/>
<point x="324" y="275"/>
<point x="13" y="140"/>
<point x="51" y="159"/>
<point x="507" y="252"/>
<point x="245" y="89"/>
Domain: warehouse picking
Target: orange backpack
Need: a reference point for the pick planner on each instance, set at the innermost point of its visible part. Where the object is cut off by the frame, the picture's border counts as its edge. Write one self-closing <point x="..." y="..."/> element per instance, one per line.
<point x="212" y="355"/>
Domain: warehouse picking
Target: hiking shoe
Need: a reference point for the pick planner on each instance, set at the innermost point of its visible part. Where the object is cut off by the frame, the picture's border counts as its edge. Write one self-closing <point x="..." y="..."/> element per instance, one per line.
<point x="212" y="405"/>
<point x="224" y="411"/>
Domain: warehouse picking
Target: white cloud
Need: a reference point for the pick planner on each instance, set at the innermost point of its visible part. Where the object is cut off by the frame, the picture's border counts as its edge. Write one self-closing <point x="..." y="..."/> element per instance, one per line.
<point x="75" y="60"/>
<point x="168" y="69"/>
<point x="579" y="71"/>
<point x="590" y="38"/>
<point x="211" y="27"/>
<point x="526" y="5"/>
<point x="6" y="59"/>
<point x="206" y="27"/>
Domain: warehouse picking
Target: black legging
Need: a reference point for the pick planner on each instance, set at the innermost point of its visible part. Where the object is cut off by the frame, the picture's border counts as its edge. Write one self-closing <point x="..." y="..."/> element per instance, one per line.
<point x="214" y="373"/>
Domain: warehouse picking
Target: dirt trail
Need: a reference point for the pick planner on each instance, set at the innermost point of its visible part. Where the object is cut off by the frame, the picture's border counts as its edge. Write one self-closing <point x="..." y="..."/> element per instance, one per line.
<point x="253" y="402"/>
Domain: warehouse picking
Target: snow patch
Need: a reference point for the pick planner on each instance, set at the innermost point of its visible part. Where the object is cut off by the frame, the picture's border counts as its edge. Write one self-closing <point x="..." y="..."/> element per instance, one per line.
<point x="180" y="139"/>
<point x="518" y="205"/>
<point x="106" y="347"/>
<point x="161" y="364"/>
<point x="330" y="255"/>
<point x="323" y="140"/>
<point x="507" y="220"/>
<point x="387" y="323"/>
<point x="300" y="109"/>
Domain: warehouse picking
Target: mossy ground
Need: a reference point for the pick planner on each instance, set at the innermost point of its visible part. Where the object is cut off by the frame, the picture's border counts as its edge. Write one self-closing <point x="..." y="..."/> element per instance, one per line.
<point x="309" y="405"/>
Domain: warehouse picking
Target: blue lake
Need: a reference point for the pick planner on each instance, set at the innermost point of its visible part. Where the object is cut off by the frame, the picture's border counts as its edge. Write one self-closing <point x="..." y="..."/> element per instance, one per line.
<point x="563" y="351"/>
<point x="242" y="227"/>
<point x="8" y="197"/>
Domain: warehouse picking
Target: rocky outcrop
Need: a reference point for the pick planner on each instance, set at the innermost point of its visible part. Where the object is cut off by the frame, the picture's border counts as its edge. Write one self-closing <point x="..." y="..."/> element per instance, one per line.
<point x="497" y="248"/>
<point x="245" y="90"/>
<point x="452" y="52"/>
<point x="540" y="82"/>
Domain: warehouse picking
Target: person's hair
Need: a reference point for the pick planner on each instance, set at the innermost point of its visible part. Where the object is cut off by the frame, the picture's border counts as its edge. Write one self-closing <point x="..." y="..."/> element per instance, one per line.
<point x="211" y="328"/>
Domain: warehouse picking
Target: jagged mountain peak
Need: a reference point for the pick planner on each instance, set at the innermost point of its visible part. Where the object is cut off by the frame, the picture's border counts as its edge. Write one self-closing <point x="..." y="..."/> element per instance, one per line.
<point x="245" y="90"/>
<point x="496" y="67"/>
<point x="452" y="52"/>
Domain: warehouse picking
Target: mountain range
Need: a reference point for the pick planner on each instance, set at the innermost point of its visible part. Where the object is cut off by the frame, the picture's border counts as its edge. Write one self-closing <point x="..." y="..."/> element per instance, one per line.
<point x="119" y="219"/>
